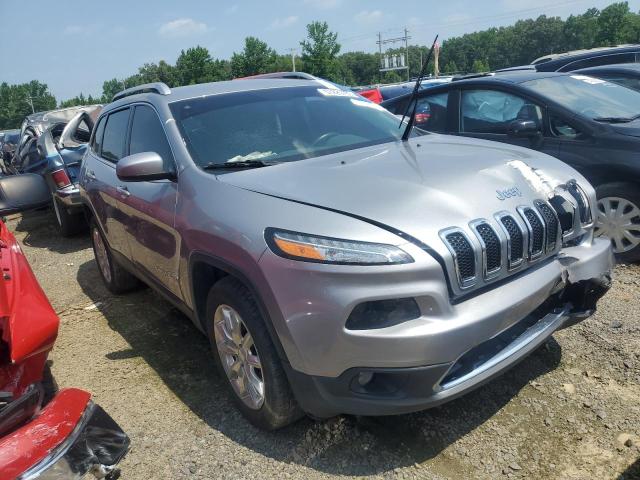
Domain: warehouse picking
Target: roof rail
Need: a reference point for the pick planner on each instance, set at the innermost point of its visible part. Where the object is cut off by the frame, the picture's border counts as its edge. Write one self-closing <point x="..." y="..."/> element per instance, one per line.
<point x="156" y="87"/>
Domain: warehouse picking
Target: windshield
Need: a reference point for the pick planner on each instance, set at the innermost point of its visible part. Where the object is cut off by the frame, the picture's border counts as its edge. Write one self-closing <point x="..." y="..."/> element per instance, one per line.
<point x="589" y="96"/>
<point x="280" y="125"/>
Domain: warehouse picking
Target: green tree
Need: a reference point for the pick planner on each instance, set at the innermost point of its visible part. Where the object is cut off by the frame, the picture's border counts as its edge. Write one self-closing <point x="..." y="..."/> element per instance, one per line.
<point x="611" y="24"/>
<point x="193" y="66"/>
<point x="256" y="57"/>
<point x="79" y="100"/>
<point x="18" y="101"/>
<point x="320" y="50"/>
<point x="480" y="66"/>
<point x="158" y="72"/>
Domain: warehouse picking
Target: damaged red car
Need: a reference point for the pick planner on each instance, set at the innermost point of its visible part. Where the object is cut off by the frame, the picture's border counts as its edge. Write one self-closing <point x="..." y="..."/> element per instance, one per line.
<point x="44" y="433"/>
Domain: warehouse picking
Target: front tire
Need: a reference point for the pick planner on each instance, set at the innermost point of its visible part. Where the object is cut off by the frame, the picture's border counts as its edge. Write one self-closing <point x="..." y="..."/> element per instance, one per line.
<point x="115" y="277"/>
<point x="246" y="357"/>
<point x="618" y="217"/>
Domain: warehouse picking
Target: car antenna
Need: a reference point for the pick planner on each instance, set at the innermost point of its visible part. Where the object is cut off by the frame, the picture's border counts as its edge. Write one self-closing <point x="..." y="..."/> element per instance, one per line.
<point x="413" y="99"/>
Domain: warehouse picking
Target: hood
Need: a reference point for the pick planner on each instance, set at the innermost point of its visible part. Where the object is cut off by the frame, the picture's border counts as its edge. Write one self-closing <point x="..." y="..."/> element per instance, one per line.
<point x="631" y="129"/>
<point x="418" y="187"/>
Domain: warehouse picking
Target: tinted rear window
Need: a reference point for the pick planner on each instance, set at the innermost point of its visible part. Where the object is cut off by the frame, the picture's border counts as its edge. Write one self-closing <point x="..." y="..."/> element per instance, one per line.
<point x="115" y="133"/>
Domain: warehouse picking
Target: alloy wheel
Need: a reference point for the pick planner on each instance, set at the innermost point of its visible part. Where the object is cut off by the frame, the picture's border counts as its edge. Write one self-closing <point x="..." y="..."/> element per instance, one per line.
<point x="619" y="219"/>
<point x="239" y="356"/>
<point x="102" y="256"/>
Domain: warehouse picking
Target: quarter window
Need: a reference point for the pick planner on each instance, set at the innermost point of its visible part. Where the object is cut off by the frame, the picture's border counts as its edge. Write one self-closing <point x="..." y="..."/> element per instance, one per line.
<point x="115" y="133"/>
<point x="97" y="138"/>
<point x="491" y="111"/>
<point x="147" y="135"/>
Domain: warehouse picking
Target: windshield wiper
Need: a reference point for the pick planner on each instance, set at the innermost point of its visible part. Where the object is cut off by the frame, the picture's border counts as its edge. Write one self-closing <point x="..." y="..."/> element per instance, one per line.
<point x="237" y="165"/>
<point x="414" y="96"/>
<point x="617" y="119"/>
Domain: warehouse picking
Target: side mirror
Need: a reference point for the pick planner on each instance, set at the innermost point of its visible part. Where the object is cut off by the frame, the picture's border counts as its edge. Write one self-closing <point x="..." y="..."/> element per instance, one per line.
<point x="523" y="129"/>
<point x="143" y="167"/>
<point x="19" y="193"/>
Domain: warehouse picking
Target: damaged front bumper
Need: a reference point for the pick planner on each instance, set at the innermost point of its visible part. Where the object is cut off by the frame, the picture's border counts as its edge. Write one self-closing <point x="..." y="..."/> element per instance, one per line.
<point x="71" y="438"/>
<point x="490" y="333"/>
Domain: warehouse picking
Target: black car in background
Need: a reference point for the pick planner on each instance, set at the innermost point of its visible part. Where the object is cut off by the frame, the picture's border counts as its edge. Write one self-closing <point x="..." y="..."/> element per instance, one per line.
<point x="627" y="74"/>
<point x="577" y="59"/>
<point x="52" y="144"/>
<point x="591" y="124"/>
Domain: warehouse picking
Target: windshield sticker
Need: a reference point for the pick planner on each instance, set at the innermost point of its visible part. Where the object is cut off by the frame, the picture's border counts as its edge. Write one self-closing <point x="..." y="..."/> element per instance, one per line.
<point x="334" y="92"/>
<point x="589" y="80"/>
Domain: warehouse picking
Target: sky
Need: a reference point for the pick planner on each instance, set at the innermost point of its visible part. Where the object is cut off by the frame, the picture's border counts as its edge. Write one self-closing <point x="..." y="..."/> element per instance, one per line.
<point x="74" y="46"/>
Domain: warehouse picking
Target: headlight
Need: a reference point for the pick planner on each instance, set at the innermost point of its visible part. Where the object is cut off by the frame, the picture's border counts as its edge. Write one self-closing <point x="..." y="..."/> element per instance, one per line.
<point x="308" y="248"/>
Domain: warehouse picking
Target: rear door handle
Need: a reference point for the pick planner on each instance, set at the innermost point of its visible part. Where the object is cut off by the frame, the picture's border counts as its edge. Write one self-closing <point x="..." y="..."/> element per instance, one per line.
<point x="90" y="174"/>
<point x="122" y="190"/>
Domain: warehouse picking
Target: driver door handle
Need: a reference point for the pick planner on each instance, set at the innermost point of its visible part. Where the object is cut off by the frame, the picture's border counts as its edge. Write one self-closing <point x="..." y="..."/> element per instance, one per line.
<point x="90" y="174"/>
<point x="122" y="190"/>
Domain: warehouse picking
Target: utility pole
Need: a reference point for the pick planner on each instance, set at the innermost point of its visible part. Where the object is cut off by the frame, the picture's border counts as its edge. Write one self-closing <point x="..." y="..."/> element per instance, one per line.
<point x="293" y="58"/>
<point x="406" y="48"/>
<point x="30" y="100"/>
<point x="380" y="48"/>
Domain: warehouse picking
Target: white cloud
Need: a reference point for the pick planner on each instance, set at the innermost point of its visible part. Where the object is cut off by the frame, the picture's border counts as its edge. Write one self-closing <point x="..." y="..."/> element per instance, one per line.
<point x="323" y="4"/>
<point x="284" y="22"/>
<point x="182" y="27"/>
<point x="231" y="9"/>
<point x="368" y="17"/>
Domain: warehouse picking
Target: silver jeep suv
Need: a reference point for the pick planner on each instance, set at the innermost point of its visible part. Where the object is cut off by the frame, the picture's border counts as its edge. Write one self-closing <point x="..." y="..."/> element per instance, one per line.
<point x="334" y="267"/>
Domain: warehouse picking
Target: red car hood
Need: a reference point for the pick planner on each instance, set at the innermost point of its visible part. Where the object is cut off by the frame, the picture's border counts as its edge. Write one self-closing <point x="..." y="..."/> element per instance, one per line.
<point x="28" y="323"/>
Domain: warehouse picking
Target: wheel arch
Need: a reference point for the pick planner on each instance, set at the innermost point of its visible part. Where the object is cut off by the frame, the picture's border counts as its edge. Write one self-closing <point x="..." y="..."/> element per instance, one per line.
<point x="205" y="270"/>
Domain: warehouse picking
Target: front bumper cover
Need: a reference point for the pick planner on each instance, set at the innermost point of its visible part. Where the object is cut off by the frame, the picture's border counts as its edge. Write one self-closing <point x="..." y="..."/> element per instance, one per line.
<point x="583" y="277"/>
<point x="71" y="437"/>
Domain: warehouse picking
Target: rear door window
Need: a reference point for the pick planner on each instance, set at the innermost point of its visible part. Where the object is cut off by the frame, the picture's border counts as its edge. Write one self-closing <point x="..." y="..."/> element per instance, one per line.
<point x="115" y="134"/>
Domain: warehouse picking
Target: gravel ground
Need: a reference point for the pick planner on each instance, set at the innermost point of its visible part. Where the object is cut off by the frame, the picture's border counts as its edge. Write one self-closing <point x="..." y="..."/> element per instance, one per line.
<point x="570" y="410"/>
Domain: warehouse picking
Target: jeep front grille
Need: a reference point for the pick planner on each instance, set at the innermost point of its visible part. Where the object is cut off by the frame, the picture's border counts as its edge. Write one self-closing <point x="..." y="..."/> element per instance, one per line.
<point x="581" y="199"/>
<point x="499" y="246"/>
<point x="491" y="248"/>
<point x="463" y="257"/>
<point x="550" y="223"/>
<point x="536" y="232"/>
<point x="515" y="241"/>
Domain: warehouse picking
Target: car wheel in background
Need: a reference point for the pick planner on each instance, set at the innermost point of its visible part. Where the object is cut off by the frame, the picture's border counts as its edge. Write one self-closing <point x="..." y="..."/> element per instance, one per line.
<point x="618" y="217"/>
<point x="247" y="358"/>
<point x="69" y="223"/>
<point x="115" y="278"/>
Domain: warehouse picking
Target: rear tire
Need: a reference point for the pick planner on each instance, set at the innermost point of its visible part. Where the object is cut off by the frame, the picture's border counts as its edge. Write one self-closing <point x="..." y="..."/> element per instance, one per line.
<point x="69" y="224"/>
<point x="276" y="406"/>
<point x="618" y="216"/>
<point x="115" y="277"/>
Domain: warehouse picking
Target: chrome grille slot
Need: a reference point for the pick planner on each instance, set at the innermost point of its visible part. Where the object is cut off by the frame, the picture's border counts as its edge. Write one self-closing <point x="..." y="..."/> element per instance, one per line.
<point x="565" y="212"/>
<point x="536" y="229"/>
<point x="463" y="256"/>
<point x="551" y="224"/>
<point x="491" y="248"/>
<point x="515" y="241"/>
<point x="581" y="199"/>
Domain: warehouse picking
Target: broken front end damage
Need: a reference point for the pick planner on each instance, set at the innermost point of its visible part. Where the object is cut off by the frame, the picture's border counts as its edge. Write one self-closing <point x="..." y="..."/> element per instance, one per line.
<point x="585" y="282"/>
<point x="72" y="437"/>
